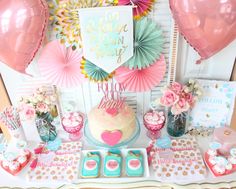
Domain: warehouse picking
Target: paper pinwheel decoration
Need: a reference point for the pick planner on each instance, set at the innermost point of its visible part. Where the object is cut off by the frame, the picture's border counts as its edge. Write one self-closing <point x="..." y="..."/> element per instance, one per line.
<point x="148" y="44"/>
<point x="61" y="65"/>
<point x="142" y="80"/>
<point x="93" y="72"/>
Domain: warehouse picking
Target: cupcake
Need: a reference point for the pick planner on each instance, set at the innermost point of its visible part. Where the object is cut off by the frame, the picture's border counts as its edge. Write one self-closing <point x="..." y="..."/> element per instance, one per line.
<point x="23" y="160"/>
<point x="219" y="169"/>
<point x="232" y="160"/>
<point x="211" y="152"/>
<point x="5" y="164"/>
<point x="229" y="167"/>
<point x="212" y="160"/>
<point x="14" y="167"/>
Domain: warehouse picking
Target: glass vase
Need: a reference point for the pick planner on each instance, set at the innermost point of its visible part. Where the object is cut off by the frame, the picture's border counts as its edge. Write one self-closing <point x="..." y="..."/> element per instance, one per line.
<point x="46" y="116"/>
<point x="176" y="124"/>
<point x="46" y="130"/>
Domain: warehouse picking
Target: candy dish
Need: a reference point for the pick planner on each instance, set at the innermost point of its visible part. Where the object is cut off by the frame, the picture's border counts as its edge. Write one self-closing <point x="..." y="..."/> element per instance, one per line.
<point x="122" y="144"/>
<point x="154" y="121"/>
<point x="73" y="123"/>
<point x="226" y="136"/>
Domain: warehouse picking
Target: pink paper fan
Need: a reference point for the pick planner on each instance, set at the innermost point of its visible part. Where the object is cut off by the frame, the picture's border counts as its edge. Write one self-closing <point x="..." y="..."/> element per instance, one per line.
<point x="143" y="7"/>
<point x="142" y="80"/>
<point x="61" y="65"/>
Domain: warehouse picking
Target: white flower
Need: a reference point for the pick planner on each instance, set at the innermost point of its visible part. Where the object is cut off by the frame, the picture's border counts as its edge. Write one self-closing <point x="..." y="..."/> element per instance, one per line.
<point x="199" y="92"/>
<point x="196" y="86"/>
<point x="53" y="98"/>
<point x="191" y="81"/>
<point x="187" y="90"/>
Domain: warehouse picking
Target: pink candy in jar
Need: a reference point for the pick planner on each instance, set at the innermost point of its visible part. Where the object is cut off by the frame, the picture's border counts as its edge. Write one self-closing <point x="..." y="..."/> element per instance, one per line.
<point x="154" y="121"/>
<point x="73" y="123"/>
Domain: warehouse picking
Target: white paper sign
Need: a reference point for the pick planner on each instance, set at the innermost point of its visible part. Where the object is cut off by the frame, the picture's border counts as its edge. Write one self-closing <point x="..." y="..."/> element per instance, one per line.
<point x="214" y="109"/>
<point x="107" y="35"/>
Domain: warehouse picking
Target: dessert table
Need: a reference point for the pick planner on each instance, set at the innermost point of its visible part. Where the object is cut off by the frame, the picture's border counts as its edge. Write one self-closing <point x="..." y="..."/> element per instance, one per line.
<point x="20" y="181"/>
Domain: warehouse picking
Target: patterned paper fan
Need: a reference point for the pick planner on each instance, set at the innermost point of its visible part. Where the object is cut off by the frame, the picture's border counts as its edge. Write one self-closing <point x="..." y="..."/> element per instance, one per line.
<point x="142" y="80"/>
<point x="64" y="15"/>
<point x="93" y="72"/>
<point x="143" y="7"/>
<point x="148" y="44"/>
<point x="61" y="65"/>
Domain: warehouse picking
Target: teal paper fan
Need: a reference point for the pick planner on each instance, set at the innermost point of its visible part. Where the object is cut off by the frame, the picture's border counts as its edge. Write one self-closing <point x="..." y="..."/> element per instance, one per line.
<point x="148" y="44"/>
<point x="93" y="72"/>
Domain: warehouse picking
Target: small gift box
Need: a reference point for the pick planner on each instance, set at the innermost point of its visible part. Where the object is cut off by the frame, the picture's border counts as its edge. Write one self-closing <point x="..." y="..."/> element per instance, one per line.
<point x="226" y="136"/>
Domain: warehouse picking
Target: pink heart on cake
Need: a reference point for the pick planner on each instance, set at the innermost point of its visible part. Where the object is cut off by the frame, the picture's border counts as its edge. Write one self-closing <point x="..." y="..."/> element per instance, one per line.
<point x="134" y="163"/>
<point x="91" y="164"/>
<point x="111" y="137"/>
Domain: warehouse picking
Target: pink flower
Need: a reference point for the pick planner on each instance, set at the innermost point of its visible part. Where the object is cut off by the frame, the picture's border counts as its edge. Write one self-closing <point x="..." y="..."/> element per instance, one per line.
<point x="189" y="98"/>
<point x="169" y="98"/>
<point x="42" y="107"/>
<point x="181" y="106"/>
<point x="28" y="111"/>
<point x="176" y="87"/>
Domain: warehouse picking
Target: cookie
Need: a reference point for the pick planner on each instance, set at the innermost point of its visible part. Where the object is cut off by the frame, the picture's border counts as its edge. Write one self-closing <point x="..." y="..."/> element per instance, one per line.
<point x="91" y="165"/>
<point x="112" y="164"/>
<point x="134" y="164"/>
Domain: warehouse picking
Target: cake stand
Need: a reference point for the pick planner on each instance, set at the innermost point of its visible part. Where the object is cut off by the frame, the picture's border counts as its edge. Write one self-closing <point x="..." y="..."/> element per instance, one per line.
<point x="122" y="144"/>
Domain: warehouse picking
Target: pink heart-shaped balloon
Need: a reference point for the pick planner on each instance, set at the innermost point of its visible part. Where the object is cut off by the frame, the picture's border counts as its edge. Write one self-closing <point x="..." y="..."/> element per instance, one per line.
<point x="22" y="30"/>
<point x="111" y="137"/>
<point x="208" y="25"/>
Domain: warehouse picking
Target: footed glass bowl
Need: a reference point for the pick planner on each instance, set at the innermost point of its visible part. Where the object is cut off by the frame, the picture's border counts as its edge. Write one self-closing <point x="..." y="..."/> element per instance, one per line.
<point x="122" y="144"/>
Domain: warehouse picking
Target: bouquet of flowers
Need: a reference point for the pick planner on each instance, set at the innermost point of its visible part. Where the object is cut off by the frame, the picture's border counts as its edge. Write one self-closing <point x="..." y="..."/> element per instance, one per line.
<point x="180" y="98"/>
<point x="38" y="104"/>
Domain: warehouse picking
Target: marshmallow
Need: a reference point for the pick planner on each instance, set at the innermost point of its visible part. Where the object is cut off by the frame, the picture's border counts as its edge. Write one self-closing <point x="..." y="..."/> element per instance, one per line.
<point x="161" y="113"/>
<point x="75" y="123"/>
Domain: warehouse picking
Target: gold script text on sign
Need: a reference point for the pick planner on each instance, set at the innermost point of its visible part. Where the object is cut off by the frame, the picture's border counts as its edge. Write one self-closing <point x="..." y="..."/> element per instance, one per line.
<point x="107" y="36"/>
